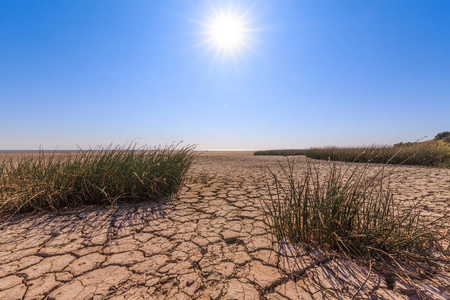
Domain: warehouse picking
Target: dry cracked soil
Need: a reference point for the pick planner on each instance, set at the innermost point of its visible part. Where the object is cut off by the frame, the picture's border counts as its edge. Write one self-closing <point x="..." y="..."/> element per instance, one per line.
<point x="209" y="242"/>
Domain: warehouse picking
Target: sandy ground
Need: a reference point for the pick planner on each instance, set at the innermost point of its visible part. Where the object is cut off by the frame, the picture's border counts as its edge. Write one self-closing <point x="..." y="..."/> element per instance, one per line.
<point x="208" y="243"/>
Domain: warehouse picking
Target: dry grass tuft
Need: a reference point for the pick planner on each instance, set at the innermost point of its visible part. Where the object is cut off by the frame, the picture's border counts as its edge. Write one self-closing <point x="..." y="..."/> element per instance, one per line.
<point x="94" y="176"/>
<point x="354" y="214"/>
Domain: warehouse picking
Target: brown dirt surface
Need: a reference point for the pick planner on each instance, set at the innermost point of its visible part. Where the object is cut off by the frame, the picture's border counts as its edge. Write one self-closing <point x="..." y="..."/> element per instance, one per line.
<point x="210" y="242"/>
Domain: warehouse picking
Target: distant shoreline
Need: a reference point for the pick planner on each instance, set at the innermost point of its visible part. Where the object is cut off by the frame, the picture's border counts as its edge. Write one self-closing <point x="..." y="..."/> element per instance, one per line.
<point x="35" y="151"/>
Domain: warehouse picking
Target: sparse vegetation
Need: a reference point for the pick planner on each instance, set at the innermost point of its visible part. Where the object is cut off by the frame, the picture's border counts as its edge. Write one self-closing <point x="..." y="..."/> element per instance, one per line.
<point x="95" y="176"/>
<point x="280" y="152"/>
<point x="408" y="154"/>
<point x="415" y="154"/>
<point x="352" y="213"/>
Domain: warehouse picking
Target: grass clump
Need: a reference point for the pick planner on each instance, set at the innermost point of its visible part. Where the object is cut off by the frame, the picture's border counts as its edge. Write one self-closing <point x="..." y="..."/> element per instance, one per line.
<point x="95" y="176"/>
<point x="351" y="212"/>
<point x="414" y="154"/>
<point x="436" y="155"/>
<point x="280" y="152"/>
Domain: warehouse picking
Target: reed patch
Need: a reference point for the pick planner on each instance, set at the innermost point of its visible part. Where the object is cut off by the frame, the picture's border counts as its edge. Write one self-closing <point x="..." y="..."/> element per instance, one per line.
<point x="95" y="176"/>
<point x="352" y="212"/>
<point x="408" y="154"/>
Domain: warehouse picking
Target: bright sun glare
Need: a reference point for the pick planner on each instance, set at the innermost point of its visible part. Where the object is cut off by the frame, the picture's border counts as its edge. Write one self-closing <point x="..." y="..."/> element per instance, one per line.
<point x="227" y="31"/>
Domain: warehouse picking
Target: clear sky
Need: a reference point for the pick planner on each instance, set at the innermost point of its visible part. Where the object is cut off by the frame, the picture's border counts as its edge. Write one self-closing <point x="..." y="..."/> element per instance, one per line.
<point x="302" y="74"/>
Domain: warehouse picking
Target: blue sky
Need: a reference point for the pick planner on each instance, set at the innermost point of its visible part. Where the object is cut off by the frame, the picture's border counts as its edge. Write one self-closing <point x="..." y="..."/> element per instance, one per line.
<point x="315" y="73"/>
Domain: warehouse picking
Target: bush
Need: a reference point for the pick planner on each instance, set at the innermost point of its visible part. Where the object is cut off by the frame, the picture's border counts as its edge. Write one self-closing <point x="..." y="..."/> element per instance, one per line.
<point x="442" y="135"/>
<point x="95" y="176"/>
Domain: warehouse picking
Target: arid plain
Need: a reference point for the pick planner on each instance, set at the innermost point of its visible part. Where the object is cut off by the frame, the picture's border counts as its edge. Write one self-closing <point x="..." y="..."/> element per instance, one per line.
<point x="209" y="242"/>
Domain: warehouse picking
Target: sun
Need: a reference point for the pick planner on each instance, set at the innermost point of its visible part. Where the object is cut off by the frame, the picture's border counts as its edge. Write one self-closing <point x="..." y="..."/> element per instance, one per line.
<point x="227" y="30"/>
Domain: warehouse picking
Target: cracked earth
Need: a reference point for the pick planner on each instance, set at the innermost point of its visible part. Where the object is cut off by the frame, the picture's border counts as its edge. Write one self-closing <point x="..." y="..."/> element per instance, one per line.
<point x="210" y="242"/>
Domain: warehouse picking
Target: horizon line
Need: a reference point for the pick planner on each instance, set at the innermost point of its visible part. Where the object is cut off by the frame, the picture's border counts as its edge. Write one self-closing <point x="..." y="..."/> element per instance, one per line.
<point x="76" y="150"/>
